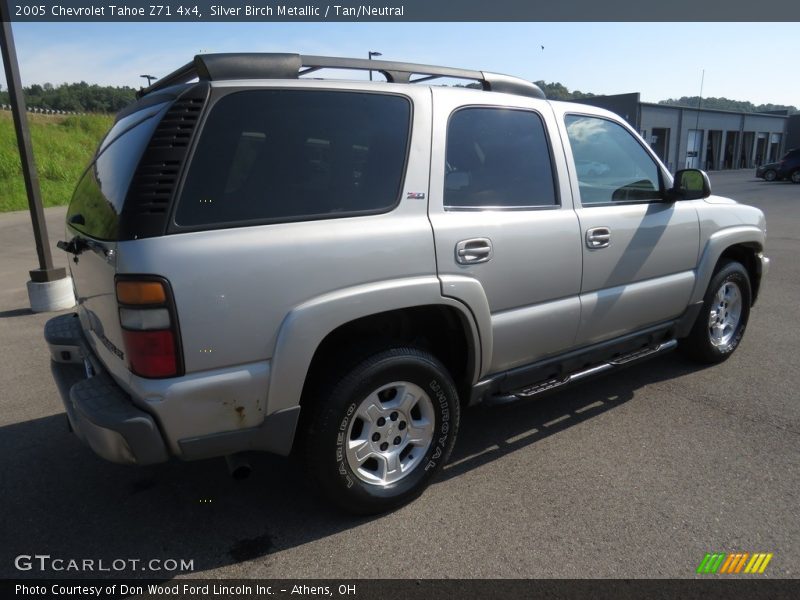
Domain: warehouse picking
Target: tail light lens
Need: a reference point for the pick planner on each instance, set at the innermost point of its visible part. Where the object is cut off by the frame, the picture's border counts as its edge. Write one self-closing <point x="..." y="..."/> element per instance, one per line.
<point x="151" y="353"/>
<point x="149" y="326"/>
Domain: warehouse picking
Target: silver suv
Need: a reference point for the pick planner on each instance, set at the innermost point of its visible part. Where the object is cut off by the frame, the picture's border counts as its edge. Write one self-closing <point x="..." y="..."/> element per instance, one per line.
<point x="267" y="261"/>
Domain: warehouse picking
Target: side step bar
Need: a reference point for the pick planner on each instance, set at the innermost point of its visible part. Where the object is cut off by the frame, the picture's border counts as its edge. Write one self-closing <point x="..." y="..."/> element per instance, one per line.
<point x="558" y="382"/>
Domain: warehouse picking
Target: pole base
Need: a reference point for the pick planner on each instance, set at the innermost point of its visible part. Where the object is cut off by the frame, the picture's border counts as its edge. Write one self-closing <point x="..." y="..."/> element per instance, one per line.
<point x="43" y="275"/>
<point x="51" y="295"/>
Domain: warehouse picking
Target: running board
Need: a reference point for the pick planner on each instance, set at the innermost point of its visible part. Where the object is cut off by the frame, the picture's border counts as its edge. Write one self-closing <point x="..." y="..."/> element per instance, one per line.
<point x="556" y="382"/>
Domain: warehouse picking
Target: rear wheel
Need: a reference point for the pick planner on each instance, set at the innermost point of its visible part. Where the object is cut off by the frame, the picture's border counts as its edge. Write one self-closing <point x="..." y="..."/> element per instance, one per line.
<point x="380" y="433"/>
<point x="795" y="176"/>
<point x="770" y="175"/>
<point x="721" y="323"/>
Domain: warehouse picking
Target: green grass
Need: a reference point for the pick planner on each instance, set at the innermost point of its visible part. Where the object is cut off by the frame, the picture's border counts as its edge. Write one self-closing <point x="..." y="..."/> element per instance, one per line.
<point x="62" y="148"/>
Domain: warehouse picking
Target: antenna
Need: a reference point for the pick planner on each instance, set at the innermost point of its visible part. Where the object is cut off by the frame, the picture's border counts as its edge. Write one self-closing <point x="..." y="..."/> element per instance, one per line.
<point x="697" y="121"/>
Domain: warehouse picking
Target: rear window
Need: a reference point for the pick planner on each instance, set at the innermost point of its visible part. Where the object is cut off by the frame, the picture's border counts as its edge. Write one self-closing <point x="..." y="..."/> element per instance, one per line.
<point x="100" y="194"/>
<point x="497" y="158"/>
<point x="279" y="155"/>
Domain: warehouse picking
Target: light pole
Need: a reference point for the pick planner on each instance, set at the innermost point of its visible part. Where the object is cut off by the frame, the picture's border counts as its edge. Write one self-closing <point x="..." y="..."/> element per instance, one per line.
<point x="49" y="287"/>
<point x="149" y="78"/>
<point x="371" y="54"/>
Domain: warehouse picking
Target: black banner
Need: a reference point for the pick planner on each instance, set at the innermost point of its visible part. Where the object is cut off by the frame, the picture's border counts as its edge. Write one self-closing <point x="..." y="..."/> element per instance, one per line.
<point x="402" y="10"/>
<point x="385" y="589"/>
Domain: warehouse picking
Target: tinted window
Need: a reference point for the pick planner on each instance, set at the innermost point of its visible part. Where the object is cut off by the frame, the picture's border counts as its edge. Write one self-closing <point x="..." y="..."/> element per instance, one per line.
<point x="100" y="194"/>
<point x="275" y="155"/>
<point x="611" y="165"/>
<point x="125" y="123"/>
<point x="497" y="158"/>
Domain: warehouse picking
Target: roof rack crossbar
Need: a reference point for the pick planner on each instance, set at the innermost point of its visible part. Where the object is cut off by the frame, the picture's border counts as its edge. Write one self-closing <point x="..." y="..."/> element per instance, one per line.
<point x="210" y="67"/>
<point x="426" y="78"/>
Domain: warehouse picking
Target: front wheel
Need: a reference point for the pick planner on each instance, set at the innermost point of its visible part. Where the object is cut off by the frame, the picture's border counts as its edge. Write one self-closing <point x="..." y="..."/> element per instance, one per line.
<point x="770" y="175"/>
<point x="721" y="323"/>
<point x="379" y="434"/>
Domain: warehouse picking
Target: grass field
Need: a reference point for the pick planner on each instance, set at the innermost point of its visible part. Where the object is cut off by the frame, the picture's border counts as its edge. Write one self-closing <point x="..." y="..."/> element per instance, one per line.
<point x="62" y="148"/>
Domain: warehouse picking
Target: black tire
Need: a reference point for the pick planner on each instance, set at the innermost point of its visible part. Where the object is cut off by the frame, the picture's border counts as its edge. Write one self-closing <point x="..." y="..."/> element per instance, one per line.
<point x="334" y="420"/>
<point x="795" y="176"/>
<point x="701" y="344"/>
<point x="770" y="175"/>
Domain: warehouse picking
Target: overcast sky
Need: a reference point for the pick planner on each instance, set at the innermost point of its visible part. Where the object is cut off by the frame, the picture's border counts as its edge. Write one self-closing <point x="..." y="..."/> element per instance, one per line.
<point x="742" y="61"/>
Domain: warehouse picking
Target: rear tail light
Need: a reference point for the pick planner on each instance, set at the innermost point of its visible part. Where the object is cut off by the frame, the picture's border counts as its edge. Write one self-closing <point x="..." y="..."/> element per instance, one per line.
<point x="141" y="292"/>
<point x="149" y="326"/>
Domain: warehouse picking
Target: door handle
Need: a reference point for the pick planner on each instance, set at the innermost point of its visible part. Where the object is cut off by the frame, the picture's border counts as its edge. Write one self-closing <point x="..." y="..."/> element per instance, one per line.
<point x="598" y="237"/>
<point x="475" y="250"/>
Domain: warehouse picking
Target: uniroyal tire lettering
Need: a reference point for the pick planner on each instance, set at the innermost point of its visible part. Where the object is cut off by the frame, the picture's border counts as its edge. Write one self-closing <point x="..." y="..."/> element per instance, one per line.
<point x="340" y="445"/>
<point x="444" y="407"/>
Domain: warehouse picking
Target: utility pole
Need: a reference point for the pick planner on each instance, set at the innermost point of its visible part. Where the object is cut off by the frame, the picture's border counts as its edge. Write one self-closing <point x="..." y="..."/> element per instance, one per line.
<point x="48" y="285"/>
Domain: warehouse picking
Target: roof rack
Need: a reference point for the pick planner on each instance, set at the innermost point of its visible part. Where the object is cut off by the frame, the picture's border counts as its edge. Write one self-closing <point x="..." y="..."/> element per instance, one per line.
<point x="215" y="67"/>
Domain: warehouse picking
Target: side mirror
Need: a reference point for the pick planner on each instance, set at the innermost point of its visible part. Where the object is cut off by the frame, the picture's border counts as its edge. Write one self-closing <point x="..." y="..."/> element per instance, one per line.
<point x="690" y="184"/>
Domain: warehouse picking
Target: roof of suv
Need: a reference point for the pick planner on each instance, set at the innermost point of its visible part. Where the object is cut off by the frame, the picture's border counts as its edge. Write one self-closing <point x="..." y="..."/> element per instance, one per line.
<point x="242" y="66"/>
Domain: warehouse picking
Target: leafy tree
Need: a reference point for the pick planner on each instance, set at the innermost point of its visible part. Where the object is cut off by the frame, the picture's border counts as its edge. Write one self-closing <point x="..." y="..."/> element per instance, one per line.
<point x="558" y="91"/>
<point x="76" y="97"/>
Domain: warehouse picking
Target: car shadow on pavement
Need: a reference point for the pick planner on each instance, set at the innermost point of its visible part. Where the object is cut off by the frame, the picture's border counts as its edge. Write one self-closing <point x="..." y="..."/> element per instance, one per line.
<point x="58" y="499"/>
<point x="488" y="433"/>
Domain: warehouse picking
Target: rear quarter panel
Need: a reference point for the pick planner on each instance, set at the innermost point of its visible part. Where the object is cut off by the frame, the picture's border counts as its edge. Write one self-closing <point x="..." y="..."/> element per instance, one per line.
<point x="235" y="288"/>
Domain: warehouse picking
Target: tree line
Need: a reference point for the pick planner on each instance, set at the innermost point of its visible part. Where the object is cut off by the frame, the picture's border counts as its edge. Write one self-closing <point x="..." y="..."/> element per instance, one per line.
<point x="76" y="97"/>
<point x="84" y="97"/>
<point x="727" y="104"/>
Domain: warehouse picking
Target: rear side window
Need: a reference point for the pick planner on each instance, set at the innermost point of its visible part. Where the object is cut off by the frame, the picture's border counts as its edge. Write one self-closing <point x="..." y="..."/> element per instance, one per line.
<point x="280" y="155"/>
<point x="100" y="194"/>
<point x="497" y="158"/>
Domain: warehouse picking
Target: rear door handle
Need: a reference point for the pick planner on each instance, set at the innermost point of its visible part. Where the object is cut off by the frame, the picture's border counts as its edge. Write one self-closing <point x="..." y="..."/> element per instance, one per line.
<point x="475" y="250"/>
<point x="598" y="237"/>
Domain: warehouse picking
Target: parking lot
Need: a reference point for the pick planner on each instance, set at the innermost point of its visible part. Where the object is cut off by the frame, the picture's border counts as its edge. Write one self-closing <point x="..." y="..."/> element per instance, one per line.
<point x="637" y="474"/>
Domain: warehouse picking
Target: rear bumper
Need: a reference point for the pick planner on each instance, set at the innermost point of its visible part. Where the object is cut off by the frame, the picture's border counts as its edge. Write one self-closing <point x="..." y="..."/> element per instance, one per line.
<point x="100" y="413"/>
<point x="103" y="415"/>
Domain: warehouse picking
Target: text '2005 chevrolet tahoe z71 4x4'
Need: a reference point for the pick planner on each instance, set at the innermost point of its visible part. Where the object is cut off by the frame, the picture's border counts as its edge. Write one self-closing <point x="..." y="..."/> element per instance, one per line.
<point x="265" y="261"/>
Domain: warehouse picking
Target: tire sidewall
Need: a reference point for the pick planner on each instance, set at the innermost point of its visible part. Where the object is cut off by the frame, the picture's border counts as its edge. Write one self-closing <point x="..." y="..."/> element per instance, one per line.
<point x="730" y="273"/>
<point x="770" y="175"/>
<point x="341" y="483"/>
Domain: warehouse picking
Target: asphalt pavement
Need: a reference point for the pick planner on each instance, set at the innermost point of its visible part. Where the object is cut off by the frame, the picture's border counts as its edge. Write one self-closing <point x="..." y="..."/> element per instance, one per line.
<point x="635" y="474"/>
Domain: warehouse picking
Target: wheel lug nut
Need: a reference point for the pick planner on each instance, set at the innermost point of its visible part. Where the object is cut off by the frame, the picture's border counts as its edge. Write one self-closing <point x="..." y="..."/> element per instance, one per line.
<point x="381" y="422"/>
<point x="397" y="441"/>
<point x="402" y="425"/>
<point x="384" y="447"/>
<point x="376" y="436"/>
<point x="393" y="416"/>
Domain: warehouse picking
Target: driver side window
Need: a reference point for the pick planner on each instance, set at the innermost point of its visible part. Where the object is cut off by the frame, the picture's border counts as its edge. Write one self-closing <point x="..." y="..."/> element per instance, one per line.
<point x="611" y="165"/>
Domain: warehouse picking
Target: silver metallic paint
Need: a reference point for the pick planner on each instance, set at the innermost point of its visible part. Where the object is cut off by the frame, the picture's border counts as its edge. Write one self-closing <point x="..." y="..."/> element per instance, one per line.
<point x="255" y="302"/>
